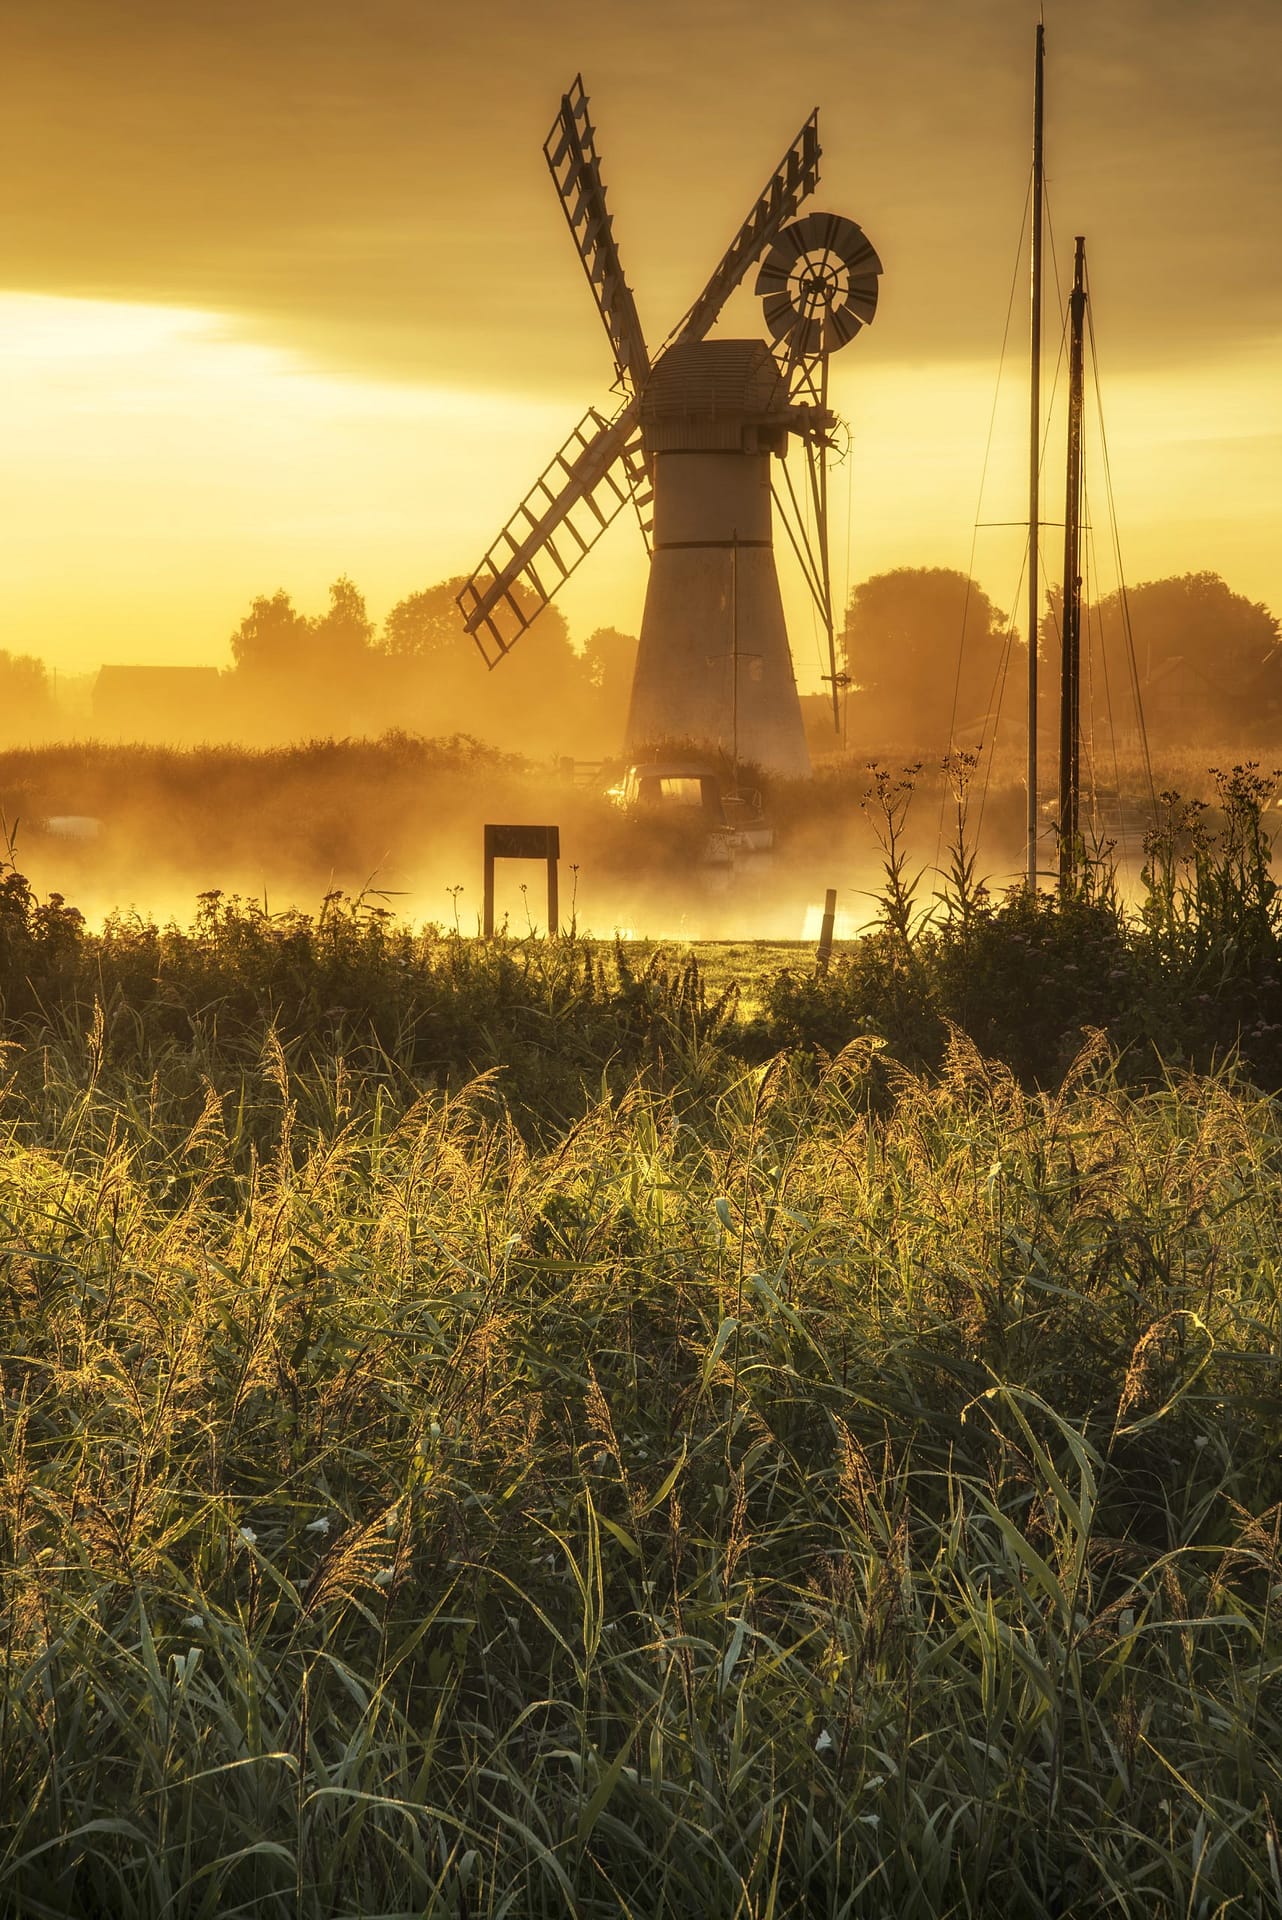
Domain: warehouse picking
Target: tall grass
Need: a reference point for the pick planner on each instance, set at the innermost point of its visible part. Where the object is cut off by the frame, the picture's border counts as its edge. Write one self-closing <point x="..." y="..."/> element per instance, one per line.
<point x="485" y="1431"/>
<point x="758" y="1500"/>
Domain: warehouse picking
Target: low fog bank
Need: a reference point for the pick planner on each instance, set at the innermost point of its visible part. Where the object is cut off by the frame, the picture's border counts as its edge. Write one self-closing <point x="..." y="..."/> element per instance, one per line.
<point x="399" y="820"/>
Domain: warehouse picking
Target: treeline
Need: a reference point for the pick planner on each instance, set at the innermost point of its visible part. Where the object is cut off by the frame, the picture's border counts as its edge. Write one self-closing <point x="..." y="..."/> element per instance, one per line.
<point x="927" y="660"/>
<point x="932" y="663"/>
<point x="296" y="675"/>
<point x="336" y="672"/>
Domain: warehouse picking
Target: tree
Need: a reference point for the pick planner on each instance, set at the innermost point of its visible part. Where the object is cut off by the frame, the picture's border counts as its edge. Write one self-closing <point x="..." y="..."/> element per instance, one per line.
<point x="609" y="660"/>
<point x="342" y="634"/>
<point x="925" y="649"/>
<point x="535" y="701"/>
<point x="427" y="624"/>
<point x="1209" y="660"/>
<point x="274" y="638"/>
<point x="26" y="700"/>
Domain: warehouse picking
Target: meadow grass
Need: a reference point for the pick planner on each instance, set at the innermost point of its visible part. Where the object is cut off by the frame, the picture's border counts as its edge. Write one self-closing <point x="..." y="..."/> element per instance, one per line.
<point x="487" y="1430"/>
<point x="759" y="1500"/>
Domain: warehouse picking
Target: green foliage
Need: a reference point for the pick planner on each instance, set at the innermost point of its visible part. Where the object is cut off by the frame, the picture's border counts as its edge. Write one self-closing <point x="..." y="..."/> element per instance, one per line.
<point x="472" y="1446"/>
<point x="40" y="943"/>
<point x="1194" y="976"/>
<point x="1205" y="655"/>
<point x="740" y="1507"/>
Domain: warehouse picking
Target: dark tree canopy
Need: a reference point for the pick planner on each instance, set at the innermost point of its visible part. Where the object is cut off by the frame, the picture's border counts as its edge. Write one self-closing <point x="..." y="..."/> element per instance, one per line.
<point x="610" y="658"/>
<point x="428" y="626"/>
<point x="1207" y="661"/>
<point x="275" y="638"/>
<point x="272" y="637"/>
<point x="904" y="636"/>
<point x="26" y="698"/>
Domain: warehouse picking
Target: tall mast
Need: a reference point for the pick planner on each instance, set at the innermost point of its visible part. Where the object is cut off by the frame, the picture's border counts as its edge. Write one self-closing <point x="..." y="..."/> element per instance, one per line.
<point x="1070" y="779"/>
<point x="734" y="657"/>
<point x="1034" y="453"/>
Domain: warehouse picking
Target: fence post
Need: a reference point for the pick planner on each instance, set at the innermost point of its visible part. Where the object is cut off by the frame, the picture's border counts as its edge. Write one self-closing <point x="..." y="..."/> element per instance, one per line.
<point x="824" y="954"/>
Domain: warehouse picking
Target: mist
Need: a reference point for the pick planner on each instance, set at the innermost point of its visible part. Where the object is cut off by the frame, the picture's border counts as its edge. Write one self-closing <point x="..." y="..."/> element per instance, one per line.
<point x="397" y="822"/>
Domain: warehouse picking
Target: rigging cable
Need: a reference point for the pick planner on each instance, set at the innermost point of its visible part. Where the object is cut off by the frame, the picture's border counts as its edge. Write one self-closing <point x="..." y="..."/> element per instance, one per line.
<point x="1002" y="674"/>
<point x="1093" y="620"/>
<point x="974" y="533"/>
<point x="1122" y="595"/>
<point x="845" y="604"/>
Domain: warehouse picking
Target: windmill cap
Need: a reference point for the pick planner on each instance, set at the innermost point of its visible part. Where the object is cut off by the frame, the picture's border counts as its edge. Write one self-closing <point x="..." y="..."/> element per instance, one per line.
<point x="713" y="394"/>
<point x="710" y="379"/>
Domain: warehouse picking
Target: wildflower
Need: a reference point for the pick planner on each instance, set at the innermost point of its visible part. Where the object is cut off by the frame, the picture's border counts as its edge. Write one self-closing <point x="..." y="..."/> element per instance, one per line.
<point x="249" y="1537"/>
<point x="824" y="1741"/>
<point x="1201" y="1441"/>
<point x="383" y="1578"/>
<point x="195" y="1621"/>
<point x="319" y="1525"/>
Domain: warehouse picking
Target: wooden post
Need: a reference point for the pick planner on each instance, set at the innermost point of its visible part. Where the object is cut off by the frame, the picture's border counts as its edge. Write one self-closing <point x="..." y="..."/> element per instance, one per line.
<point x="487" y="922"/>
<point x="824" y="954"/>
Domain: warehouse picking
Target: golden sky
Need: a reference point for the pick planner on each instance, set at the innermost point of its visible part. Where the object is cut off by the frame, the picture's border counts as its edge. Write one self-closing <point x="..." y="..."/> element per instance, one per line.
<point x="285" y="290"/>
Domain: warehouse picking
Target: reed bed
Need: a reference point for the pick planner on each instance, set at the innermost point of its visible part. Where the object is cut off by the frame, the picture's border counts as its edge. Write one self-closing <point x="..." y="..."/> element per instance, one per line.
<point x="783" y="1489"/>
<point x="488" y="1430"/>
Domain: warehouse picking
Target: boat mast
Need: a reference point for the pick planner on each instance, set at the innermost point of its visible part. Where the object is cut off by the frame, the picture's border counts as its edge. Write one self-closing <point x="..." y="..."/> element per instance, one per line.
<point x="734" y="658"/>
<point x="1034" y="453"/>
<point x="1070" y="775"/>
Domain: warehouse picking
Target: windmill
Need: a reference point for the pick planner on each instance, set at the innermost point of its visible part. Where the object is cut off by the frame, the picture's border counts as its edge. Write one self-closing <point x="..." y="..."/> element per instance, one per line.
<point x="690" y="443"/>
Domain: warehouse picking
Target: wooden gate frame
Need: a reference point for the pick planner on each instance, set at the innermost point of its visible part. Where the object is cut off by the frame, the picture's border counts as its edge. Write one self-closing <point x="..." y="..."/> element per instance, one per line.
<point x="522" y="843"/>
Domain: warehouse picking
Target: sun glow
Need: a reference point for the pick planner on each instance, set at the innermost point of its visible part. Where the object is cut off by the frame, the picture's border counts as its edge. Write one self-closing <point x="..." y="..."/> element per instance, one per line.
<point x="160" y="467"/>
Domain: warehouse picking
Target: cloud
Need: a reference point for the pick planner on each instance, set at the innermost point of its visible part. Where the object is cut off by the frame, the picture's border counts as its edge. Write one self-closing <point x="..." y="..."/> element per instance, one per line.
<point x="367" y="183"/>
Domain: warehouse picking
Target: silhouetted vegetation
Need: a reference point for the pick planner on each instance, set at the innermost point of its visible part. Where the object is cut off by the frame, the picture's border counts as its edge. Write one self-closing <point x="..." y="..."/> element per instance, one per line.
<point x="639" y="1478"/>
<point x="26" y="699"/>
<point x="1190" y="976"/>
<point x="1209" y="660"/>
<point x="926" y="650"/>
<point x="934" y="664"/>
<point x="297" y="675"/>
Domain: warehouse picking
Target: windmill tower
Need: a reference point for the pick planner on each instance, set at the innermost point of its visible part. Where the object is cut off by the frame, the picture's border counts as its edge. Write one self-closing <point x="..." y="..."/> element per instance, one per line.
<point x="692" y="445"/>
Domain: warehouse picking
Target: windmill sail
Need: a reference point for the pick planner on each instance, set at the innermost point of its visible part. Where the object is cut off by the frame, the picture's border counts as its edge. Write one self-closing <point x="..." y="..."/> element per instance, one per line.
<point x="793" y="180"/>
<point x="559" y="521"/>
<point x="603" y="462"/>
<point x="570" y="150"/>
